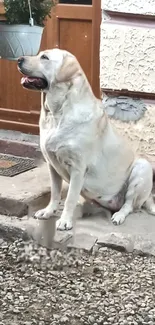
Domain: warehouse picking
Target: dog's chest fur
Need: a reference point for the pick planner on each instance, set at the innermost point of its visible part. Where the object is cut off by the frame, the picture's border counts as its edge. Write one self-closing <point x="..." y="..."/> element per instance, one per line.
<point x="57" y="142"/>
<point x="65" y="134"/>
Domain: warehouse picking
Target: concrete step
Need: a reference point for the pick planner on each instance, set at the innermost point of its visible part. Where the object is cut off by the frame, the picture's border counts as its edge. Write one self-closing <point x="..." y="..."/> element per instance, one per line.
<point x="27" y="229"/>
<point x="20" y="149"/>
<point x="25" y="193"/>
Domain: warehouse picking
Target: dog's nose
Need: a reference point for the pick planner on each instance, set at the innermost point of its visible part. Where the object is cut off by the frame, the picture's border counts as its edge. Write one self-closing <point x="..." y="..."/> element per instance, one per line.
<point x="20" y="61"/>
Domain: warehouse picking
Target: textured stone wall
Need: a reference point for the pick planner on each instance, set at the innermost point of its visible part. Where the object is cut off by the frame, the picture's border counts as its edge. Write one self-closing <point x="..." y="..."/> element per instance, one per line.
<point x="141" y="135"/>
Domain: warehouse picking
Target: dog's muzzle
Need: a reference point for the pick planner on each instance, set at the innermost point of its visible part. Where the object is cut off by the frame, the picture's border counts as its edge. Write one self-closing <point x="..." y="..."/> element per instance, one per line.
<point x="33" y="83"/>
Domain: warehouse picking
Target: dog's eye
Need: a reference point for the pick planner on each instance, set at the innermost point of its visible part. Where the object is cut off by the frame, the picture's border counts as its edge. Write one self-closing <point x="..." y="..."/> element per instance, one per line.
<point x="44" y="57"/>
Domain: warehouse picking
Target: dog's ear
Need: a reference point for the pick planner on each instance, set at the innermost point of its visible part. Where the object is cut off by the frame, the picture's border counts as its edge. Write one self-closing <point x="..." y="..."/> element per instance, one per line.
<point x="69" y="69"/>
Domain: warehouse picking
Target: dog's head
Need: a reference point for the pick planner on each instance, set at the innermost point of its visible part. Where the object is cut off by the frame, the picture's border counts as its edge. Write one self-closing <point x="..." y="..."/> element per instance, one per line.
<point x="48" y="67"/>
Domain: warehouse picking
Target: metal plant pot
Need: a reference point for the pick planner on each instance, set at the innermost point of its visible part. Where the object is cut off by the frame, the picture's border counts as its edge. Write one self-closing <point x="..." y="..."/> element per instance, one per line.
<point x="19" y="40"/>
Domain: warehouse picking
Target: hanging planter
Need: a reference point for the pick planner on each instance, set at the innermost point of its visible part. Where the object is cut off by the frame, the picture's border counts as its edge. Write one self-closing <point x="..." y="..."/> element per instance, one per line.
<point x="19" y="40"/>
<point x="21" y="33"/>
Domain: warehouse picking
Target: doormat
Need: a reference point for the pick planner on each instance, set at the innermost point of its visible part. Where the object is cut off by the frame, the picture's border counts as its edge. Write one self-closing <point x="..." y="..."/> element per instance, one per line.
<point x="11" y="165"/>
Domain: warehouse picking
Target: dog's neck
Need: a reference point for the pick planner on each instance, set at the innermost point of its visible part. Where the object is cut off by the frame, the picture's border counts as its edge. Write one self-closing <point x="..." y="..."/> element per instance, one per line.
<point x="63" y="100"/>
<point x="56" y="97"/>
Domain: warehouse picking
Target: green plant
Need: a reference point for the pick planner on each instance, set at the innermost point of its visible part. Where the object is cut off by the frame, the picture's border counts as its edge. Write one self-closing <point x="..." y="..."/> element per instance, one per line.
<point x="17" y="11"/>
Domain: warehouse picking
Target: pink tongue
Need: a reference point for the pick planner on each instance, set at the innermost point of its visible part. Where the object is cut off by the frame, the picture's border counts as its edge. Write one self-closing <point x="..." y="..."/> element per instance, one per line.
<point x="27" y="79"/>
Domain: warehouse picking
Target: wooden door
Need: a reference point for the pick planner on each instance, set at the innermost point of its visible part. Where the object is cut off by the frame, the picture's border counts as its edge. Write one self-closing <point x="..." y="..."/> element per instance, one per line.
<point x="75" y="28"/>
<point x="19" y="109"/>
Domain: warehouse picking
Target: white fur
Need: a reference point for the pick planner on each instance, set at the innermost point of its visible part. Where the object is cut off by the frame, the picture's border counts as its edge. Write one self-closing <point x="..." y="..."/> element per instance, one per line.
<point x="81" y="147"/>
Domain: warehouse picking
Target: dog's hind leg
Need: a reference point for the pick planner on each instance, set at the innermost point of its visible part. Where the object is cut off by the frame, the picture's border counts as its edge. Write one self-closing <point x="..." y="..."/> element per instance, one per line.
<point x="138" y="193"/>
<point x="149" y="205"/>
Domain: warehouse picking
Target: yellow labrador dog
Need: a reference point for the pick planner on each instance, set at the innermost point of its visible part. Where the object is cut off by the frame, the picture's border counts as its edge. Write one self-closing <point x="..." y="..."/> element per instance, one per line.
<point x="80" y="145"/>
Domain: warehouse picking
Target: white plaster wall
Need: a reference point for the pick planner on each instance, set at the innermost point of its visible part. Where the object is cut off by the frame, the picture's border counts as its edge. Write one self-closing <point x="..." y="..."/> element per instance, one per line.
<point x="127" y="57"/>
<point x="127" y="54"/>
<point x="127" y="60"/>
<point x="132" y="6"/>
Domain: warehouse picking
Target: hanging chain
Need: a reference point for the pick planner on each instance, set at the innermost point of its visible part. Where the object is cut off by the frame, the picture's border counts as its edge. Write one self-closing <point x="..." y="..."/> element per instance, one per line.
<point x="31" y="20"/>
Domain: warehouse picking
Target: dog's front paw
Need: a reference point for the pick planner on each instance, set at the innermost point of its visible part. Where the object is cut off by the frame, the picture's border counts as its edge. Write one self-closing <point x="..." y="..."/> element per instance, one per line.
<point x="118" y="218"/>
<point x="64" y="224"/>
<point x="44" y="214"/>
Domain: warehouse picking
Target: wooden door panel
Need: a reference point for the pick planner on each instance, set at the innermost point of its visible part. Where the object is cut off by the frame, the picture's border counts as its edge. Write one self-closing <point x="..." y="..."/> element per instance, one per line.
<point x="75" y="37"/>
<point x="12" y="95"/>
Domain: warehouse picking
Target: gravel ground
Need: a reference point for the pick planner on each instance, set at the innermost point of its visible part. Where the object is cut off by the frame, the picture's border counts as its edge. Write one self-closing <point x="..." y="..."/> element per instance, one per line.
<point x="75" y="288"/>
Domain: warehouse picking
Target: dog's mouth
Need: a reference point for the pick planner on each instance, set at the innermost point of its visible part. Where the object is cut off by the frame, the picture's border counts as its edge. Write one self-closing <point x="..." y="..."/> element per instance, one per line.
<point x="34" y="83"/>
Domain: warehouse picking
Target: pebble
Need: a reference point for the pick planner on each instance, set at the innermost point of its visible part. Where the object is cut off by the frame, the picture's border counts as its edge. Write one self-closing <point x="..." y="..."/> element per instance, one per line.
<point x="59" y="288"/>
<point x="91" y="319"/>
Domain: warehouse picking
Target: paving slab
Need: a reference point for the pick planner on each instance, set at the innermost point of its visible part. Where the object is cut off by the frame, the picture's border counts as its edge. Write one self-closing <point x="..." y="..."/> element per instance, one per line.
<point x="83" y="241"/>
<point x="137" y="233"/>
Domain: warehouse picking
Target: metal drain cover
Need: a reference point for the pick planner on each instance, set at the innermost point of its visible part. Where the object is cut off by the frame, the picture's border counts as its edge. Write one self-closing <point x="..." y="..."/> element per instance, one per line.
<point x="12" y="165"/>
